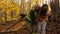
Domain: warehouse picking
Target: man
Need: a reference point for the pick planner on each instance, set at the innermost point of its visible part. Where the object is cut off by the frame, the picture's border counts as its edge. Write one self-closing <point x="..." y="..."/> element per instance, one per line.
<point x="32" y="17"/>
<point x="42" y="19"/>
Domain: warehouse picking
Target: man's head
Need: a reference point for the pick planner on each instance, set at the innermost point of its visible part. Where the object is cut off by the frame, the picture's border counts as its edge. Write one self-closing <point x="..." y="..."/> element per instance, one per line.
<point x="36" y="7"/>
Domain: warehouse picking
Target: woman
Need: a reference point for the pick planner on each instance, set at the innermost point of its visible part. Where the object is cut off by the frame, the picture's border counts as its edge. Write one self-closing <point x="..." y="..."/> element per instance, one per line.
<point x="42" y="19"/>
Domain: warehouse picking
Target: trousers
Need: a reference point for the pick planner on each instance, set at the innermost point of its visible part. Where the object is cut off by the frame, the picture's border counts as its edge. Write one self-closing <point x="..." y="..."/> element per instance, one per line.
<point x="41" y="28"/>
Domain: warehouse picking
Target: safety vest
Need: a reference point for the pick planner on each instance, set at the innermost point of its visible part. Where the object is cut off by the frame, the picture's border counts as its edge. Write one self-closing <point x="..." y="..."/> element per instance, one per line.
<point x="28" y="16"/>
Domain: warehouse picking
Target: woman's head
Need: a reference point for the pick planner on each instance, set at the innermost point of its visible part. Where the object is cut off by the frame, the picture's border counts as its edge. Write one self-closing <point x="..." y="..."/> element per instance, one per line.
<point x="44" y="9"/>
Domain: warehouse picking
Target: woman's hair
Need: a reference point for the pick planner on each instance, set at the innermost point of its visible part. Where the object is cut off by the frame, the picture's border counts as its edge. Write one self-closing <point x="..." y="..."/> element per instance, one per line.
<point x="44" y="9"/>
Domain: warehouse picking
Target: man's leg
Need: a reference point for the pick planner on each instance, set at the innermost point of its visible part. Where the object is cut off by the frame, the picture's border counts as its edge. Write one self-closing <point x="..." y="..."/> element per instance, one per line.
<point x="39" y="28"/>
<point x="29" y="27"/>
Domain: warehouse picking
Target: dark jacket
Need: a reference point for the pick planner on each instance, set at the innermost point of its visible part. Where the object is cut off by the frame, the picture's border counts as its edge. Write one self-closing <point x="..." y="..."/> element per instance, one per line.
<point x="32" y="16"/>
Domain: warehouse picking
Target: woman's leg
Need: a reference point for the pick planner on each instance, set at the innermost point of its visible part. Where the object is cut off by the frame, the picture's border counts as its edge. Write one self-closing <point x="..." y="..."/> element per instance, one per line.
<point x="43" y="28"/>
